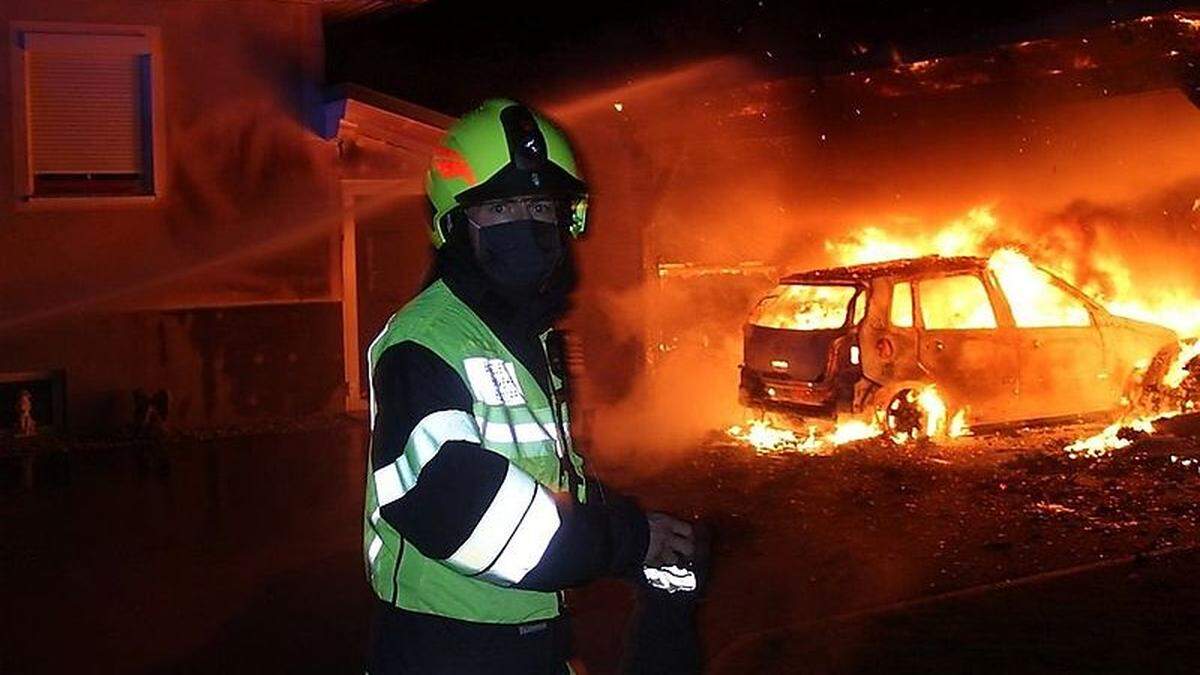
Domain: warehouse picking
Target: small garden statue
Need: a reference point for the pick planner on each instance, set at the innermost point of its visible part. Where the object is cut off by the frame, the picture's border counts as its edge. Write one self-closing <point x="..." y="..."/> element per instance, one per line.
<point x="26" y="425"/>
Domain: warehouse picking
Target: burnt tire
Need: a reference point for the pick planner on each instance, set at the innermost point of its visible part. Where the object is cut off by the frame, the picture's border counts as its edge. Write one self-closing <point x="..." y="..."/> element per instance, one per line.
<point x="903" y="417"/>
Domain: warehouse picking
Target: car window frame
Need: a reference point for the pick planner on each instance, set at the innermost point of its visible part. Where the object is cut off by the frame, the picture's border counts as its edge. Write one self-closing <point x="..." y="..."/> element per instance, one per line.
<point x="1096" y="311"/>
<point x="999" y="304"/>
<point x="1090" y="305"/>
<point x="912" y="302"/>
<point x="861" y="290"/>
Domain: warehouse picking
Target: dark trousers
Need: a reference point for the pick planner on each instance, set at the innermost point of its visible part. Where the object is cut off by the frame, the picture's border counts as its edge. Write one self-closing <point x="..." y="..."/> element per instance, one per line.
<point x="404" y="643"/>
<point x="662" y="637"/>
<point x="662" y="640"/>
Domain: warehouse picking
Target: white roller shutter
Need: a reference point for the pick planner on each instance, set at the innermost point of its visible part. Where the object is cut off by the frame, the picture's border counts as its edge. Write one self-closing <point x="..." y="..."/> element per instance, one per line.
<point x="87" y="103"/>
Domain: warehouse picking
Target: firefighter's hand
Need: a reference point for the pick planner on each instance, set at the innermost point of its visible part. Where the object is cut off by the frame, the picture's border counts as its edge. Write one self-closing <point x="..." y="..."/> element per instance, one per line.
<point x="672" y="541"/>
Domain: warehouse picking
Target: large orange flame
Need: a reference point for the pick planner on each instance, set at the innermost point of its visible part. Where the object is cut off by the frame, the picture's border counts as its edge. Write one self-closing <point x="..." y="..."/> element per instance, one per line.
<point x="766" y="435"/>
<point x="1108" y="278"/>
<point x="1103" y="276"/>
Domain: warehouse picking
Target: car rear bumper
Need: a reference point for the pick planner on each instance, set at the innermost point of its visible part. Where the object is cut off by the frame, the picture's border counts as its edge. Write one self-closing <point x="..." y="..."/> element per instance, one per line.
<point x="810" y="399"/>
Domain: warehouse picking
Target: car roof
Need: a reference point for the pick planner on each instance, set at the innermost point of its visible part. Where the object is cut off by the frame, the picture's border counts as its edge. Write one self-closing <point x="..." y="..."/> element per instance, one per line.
<point x="933" y="264"/>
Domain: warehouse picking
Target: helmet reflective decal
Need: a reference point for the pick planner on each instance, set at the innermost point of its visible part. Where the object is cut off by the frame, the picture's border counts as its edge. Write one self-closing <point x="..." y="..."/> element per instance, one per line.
<point x="450" y="164"/>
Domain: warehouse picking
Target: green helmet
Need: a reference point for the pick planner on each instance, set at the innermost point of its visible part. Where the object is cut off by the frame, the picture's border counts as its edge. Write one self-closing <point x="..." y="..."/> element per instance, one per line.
<point x="502" y="149"/>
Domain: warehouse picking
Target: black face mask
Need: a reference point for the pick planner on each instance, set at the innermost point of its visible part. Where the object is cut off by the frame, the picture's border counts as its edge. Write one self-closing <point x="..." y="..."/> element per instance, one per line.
<point x="519" y="256"/>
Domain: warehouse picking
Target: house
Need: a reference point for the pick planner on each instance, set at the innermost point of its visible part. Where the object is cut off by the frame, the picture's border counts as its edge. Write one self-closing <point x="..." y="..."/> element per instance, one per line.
<point x="176" y="186"/>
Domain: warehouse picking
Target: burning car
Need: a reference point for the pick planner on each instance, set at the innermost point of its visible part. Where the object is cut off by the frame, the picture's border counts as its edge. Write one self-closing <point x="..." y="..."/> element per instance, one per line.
<point x="995" y="340"/>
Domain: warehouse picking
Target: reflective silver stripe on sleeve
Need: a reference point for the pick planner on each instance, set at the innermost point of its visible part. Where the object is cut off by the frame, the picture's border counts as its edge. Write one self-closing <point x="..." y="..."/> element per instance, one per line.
<point x="434" y="430"/>
<point x="529" y="542"/>
<point x="387" y="484"/>
<point x="496" y="527"/>
<point x="397" y="478"/>
<point x="524" y="432"/>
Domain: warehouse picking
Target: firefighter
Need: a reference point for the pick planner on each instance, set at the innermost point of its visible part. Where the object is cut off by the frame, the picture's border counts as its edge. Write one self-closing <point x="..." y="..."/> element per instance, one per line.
<point x="478" y="508"/>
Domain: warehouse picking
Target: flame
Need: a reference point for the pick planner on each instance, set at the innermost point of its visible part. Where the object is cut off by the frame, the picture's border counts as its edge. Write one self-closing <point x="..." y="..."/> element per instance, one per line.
<point x="1178" y="370"/>
<point x="804" y="307"/>
<point x="1111" y="439"/>
<point x="1105" y="277"/>
<point x="1035" y="301"/>
<point x="958" y="425"/>
<point x="964" y="236"/>
<point x="1179" y="382"/>
<point x="1175" y="308"/>
<point x="934" y="413"/>
<point x="854" y="430"/>
<point x="764" y="436"/>
<point x="1020" y="263"/>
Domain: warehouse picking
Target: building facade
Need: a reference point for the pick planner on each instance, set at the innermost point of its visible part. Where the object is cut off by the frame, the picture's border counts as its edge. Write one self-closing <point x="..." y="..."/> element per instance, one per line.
<point x="172" y="214"/>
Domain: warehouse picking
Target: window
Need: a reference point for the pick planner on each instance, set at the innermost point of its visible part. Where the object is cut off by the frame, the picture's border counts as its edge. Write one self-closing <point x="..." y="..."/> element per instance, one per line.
<point x="955" y="303"/>
<point x="804" y="307"/>
<point x="1038" y="302"/>
<point x="85" y="111"/>
<point x="902" y="310"/>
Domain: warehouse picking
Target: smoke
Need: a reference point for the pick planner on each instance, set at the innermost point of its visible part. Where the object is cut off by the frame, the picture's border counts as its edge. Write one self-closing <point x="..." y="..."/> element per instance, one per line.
<point x="1144" y="233"/>
<point x="1101" y="191"/>
<point x="684" y="384"/>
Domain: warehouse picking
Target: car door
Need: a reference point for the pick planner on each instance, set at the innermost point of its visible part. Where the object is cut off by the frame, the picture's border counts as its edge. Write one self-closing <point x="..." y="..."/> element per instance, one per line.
<point x="965" y="349"/>
<point x="1061" y="349"/>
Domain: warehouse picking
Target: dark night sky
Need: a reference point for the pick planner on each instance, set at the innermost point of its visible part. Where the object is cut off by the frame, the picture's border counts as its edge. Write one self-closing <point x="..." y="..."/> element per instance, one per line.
<point x="449" y="54"/>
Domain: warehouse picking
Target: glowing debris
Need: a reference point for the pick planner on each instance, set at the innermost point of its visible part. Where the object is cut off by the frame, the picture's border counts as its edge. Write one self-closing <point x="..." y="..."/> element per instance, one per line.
<point x="765" y="437"/>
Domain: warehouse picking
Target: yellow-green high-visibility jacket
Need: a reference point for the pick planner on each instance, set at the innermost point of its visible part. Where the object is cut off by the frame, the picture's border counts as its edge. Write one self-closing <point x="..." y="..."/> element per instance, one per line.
<point x="475" y="506"/>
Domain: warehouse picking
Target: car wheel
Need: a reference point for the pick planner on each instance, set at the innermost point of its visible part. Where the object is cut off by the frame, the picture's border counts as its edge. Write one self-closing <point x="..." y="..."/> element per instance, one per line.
<point x="903" y="418"/>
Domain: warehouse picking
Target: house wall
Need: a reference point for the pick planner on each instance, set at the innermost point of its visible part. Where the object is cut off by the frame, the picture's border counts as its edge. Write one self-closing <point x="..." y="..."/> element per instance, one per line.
<point x="224" y="288"/>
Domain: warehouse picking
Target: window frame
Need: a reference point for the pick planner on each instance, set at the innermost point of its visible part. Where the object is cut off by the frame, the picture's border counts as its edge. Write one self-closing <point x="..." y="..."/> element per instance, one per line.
<point x="860" y="293"/>
<point x="23" y="174"/>
<point x="1063" y="287"/>
<point x="1000" y="316"/>
<point x="912" y="304"/>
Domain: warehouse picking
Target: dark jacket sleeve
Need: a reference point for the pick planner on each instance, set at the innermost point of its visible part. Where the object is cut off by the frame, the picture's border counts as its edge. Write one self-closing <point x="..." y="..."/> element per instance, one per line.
<point x="469" y="507"/>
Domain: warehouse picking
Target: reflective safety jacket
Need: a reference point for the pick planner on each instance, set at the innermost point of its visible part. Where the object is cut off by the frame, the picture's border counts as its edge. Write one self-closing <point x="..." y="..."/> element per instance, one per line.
<point x="476" y="508"/>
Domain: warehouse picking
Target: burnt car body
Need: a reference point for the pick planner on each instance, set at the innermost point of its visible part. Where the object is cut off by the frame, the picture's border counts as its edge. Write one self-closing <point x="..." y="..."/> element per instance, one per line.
<point x="849" y="340"/>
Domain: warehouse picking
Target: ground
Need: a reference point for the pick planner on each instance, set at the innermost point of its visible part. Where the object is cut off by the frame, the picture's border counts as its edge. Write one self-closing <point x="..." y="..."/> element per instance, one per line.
<point x="988" y="554"/>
